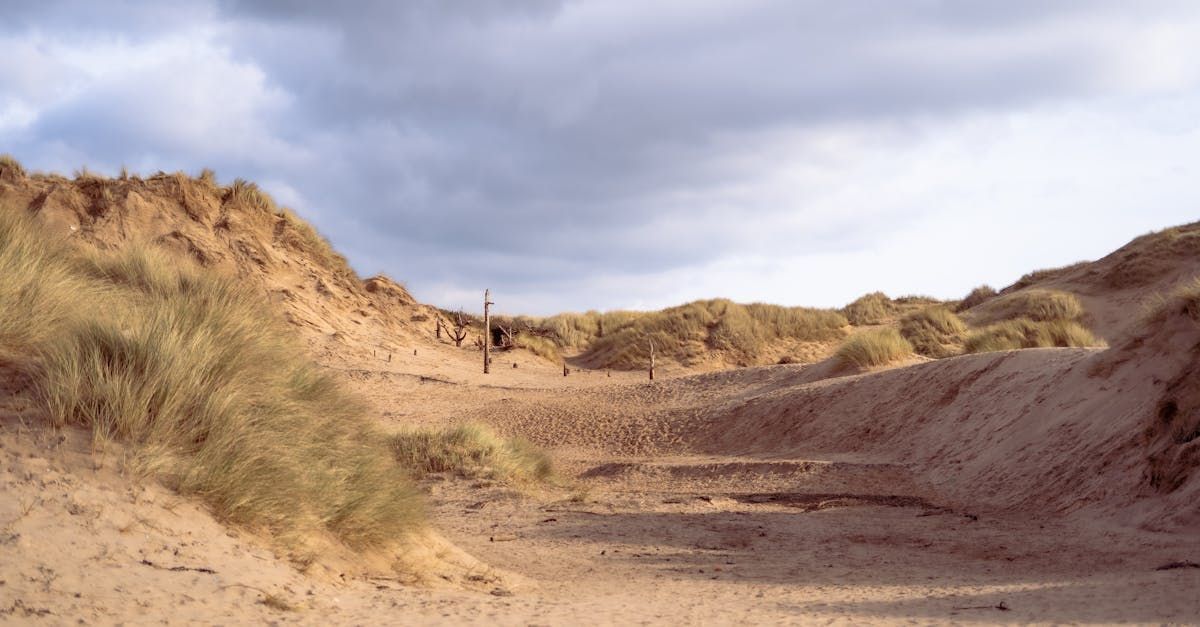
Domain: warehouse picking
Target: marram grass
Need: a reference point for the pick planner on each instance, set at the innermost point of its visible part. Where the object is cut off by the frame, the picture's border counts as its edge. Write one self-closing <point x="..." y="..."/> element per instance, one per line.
<point x="212" y="391"/>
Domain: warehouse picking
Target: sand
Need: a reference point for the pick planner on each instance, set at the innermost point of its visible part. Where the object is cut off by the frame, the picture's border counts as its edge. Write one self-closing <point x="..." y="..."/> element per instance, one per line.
<point x="1038" y="486"/>
<point x="646" y="529"/>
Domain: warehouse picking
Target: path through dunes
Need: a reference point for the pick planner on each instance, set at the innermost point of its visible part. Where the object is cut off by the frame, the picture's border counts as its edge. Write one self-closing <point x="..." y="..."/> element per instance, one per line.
<point x="1041" y="485"/>
<point x="940" y="491"/>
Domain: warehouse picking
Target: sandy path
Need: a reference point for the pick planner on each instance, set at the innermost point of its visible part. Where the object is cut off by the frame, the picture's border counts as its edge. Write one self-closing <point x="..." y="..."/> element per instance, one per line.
<point x="645" y="530"/>
<point x="653" y="532"/>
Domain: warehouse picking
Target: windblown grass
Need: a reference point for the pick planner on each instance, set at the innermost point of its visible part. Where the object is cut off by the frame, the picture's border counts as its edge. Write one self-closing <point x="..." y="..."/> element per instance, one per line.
<point x="1184" y="301"/>
<point x="873" y="308"/>
<point x="10" y="168"/>
<point x="871" y="348"/>
<point x="471" y="451"/>
<point x="248" y="194"/>
<point x="1025" y="333"/>
<point x="301" y="236"/>
<point x="213" y="391"/>
<point x="934" y="331"/>
<point x="1039" y="305"/>
<point x="580" y="330"/>
<point x="540" y="346"/>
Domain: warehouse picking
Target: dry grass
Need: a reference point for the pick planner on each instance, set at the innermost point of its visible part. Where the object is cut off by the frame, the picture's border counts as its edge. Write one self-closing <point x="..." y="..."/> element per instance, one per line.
<point x="934" y="331"/>
<point x="299" y="235"/>
<point x="1182" y="301"/>
<point x="1025" y="333"/>
<point x="193" y="369"/>
<point x="1039" y="305"/>
<point x="580" y="330"/>
<point x="471" y="451"/>
<point x="540" y="346"/>
<point x="977" y="297"/>
<point x="712" y="329"/>
<point x="873" y="308"/>
<point x="1047" y="274"/>
<point x="10" y="168"/>
<point x="1148" y="258"/>
<point x="872" y="348"/>
<point x="247" y="194"/>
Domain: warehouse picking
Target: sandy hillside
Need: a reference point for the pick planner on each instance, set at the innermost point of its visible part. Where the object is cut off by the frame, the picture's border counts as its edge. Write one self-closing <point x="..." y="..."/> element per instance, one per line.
<point x="1032" y="486"/>
<point x="1116" y="289"/>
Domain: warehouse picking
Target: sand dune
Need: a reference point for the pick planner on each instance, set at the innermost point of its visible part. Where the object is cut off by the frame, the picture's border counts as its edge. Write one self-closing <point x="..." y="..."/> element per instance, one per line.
<point x="1032" y="486"/>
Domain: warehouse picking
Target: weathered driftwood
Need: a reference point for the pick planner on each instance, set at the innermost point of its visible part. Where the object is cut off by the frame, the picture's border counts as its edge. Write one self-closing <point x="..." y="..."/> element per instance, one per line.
<point x="487" y="330"/>
<point x="651" y="359"/>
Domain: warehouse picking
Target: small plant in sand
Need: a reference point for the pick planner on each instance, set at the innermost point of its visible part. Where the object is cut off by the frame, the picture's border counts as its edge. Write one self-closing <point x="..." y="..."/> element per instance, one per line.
<point x="872" y="348"/>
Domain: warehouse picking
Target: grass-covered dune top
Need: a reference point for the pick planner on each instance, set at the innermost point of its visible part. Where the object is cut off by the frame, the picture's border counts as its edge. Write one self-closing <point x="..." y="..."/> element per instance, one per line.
<point x="705" y="332"/>
<point x="234" y="228"/>
<point x="212" y="391"/>
<point x="717" y="329"/>
<point x="868" y="309"/>
<point x="1038" y="305"/>
<point x="1030" y="318"/>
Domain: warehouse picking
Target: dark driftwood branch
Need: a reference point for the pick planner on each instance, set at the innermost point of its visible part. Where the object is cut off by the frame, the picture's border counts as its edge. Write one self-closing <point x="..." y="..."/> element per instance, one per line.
<point x="459" y="333"/>
<point x="195" y="569"/>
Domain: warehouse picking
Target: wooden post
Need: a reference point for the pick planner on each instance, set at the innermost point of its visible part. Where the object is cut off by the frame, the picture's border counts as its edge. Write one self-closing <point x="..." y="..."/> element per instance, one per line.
<point x="651" y="359"/>
<point x="487" y="330"/>
<point x="565" y="371"/>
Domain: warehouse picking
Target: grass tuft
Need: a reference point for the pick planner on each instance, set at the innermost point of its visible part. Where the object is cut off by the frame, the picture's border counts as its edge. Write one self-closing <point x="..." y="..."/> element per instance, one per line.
<point x="471" y="451"/>
<point x="873" y="308"/>
<point x="872" y="348"/>
<point x="247" y="194"/>
<point x="1039" y="305"/>
<point x="1025" y="333"/>
<point x="10" y="168"/>
<point x="977" y="297"/>
<point x="934" y="331"/>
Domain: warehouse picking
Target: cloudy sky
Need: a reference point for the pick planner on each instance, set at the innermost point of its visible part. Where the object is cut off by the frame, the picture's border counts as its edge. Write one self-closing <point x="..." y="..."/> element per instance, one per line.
<point x="582" y="154"/>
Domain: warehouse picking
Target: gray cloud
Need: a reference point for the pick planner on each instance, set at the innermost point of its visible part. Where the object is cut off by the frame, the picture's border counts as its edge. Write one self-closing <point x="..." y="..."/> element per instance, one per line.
<point x="522" y="144"/>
